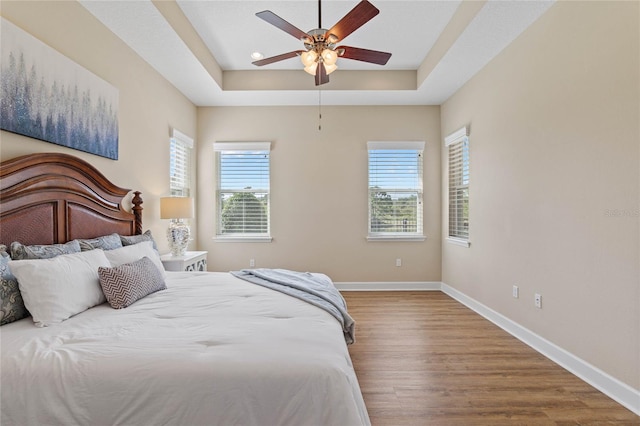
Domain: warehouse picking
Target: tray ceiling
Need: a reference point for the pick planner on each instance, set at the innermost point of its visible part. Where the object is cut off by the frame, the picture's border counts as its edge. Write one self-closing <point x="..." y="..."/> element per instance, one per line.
<point x="204" y="47"/>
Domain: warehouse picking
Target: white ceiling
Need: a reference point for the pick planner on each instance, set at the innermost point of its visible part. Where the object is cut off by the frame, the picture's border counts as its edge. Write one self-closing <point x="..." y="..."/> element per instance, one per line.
<point x="203" y="47"/>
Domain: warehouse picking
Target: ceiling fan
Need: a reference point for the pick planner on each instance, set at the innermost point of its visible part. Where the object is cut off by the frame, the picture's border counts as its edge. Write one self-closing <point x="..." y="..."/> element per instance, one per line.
<point x="321" y="52"/>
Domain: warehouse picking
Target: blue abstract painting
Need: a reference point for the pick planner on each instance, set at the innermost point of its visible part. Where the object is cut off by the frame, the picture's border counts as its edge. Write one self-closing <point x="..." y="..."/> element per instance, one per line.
<point x="47" y="96"/>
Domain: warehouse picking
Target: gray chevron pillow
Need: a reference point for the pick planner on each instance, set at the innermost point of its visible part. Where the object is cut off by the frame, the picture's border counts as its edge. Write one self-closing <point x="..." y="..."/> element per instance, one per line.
<point x="130" y="282"/>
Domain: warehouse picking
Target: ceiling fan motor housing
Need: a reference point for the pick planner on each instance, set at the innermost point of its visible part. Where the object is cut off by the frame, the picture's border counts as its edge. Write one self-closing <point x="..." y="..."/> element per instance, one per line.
<point x="319" y="39"/>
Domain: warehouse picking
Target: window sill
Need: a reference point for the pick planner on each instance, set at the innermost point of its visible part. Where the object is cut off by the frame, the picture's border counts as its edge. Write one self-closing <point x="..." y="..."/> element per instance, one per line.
<point x="237" y="239"/>
<point x="458" y="241"/>
<point x="398" y="238"/>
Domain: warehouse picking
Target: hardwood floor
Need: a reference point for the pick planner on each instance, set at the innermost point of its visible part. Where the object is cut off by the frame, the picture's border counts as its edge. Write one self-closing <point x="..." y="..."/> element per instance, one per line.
<point x="422" y="358"/>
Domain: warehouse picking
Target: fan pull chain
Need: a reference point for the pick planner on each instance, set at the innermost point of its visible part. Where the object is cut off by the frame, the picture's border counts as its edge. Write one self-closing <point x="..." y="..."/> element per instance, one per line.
<point x="319" y="110"/>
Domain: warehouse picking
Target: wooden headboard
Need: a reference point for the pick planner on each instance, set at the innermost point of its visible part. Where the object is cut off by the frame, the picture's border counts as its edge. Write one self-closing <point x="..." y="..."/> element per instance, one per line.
<point x="53" y="198"/>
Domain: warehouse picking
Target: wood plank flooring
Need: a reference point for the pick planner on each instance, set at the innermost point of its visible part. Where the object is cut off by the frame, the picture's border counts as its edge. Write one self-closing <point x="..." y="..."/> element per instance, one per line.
<point x="422" y="358"/>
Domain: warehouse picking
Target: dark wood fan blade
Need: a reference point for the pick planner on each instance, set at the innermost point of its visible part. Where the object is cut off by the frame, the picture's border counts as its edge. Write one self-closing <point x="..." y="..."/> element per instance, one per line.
<point x="364" y="55"/>
<point x="321" y="74"/>
<point x="267" y="61"/>
<point x="277" y="21"/>
<point x="357" y="17"/>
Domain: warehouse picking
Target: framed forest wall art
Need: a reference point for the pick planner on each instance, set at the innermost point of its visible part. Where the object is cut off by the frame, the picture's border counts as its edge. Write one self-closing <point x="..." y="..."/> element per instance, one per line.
<point x="47" y="96"/>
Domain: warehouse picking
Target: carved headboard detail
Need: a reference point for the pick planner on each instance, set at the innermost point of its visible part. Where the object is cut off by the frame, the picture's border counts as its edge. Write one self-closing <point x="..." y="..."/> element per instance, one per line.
<point x="53" y="198"/>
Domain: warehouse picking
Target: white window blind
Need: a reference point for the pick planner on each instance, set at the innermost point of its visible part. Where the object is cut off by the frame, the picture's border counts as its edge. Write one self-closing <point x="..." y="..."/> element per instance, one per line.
<point x="180" y="149"/>
<point x="458" y="143"/>
<point x="395" y="189"/>
<point x="243" y="188"/>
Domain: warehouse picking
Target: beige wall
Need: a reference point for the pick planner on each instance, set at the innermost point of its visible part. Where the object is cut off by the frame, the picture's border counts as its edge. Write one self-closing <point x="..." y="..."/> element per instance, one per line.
<point x="555" y="183"/>
<point x="319" y="204"/>
<point x="148" y="105"/>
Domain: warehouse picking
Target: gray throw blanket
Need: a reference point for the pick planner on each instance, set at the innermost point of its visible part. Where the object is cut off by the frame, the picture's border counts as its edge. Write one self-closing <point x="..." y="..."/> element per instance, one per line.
<point x="316" y="289"/>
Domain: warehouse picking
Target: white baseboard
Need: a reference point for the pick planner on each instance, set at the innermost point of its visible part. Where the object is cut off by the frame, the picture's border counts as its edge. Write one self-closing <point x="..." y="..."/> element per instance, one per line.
<point x="389" y="286"/>
<point x="610" y="386"/>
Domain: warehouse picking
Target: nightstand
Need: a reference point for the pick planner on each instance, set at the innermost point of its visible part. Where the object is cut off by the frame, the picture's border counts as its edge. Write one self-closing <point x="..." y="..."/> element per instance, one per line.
<point x="191" y="261"/>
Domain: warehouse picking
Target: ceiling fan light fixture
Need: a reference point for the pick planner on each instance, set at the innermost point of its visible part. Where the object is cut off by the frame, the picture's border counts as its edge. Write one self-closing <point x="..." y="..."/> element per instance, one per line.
<point x="311" y="69"/>
<point x="256" y="55"/>
<point x="308" y="58"/>
<point x="321" y="54"/>
<point x="330" y="68"/>
<point x="329" y="57"/>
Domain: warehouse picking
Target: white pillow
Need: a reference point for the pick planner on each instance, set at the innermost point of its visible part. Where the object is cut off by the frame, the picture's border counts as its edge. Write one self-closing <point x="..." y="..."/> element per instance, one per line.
<point x="58" y="288"/>
<point x="128" y="254"/>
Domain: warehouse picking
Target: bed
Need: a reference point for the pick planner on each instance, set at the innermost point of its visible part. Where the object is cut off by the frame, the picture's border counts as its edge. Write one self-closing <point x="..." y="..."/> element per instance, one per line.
<point x="209" y="349"/>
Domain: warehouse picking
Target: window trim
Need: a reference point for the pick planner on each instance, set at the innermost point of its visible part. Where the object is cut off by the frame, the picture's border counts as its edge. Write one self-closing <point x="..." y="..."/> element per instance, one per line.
<point x="242" y="146"/>
<point x="458" y="241"/>
<point x="396" y="236"/>
<point x="239" y="147"/>
<point x="238" y="239"/>
<point x="460" y="135"/>
<point x="457" y="136"/>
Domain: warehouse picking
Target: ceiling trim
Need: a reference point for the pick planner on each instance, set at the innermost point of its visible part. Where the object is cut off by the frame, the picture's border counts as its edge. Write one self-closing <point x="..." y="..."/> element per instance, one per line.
<point x="296" y="80"/>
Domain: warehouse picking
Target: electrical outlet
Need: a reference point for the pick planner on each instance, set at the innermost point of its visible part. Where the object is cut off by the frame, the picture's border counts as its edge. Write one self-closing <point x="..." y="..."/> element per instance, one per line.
<point x="252" y="263"/>
<point x="538" y="301"/>
<point x="398" y="262"/>
<point x="515" y="292"/>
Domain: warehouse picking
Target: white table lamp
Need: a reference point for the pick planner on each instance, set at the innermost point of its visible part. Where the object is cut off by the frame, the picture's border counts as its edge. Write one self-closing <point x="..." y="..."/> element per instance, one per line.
<point x="178" y="233"/>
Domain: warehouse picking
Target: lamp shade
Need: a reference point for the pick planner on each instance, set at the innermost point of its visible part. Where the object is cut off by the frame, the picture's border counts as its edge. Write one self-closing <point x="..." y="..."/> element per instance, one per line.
<point x="176" y="207"/>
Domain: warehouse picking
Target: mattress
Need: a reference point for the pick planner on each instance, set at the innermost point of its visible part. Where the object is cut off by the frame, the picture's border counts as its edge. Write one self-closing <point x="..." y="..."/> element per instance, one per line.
<point x="211" y="349"/>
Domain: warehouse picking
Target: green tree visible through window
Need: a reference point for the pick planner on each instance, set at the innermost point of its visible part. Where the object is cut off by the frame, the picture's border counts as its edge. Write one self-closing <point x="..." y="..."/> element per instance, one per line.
<point x="243" y="212"/>
<point x="393" y="215"/>
<point x="381" y="209"/>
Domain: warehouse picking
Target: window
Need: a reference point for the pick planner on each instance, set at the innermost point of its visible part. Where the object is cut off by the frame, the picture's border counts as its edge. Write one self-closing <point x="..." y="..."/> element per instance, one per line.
<point x="243" y="190"/>
<point x="458" y="143"/>
<point x="395" y="190"/>
<point x="180" y="164"/>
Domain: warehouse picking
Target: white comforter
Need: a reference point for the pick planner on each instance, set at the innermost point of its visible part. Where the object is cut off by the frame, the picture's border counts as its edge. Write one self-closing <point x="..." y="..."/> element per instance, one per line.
<point x="210" y="350"/>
